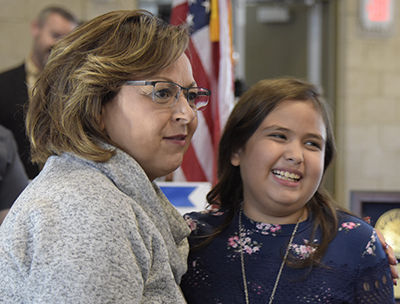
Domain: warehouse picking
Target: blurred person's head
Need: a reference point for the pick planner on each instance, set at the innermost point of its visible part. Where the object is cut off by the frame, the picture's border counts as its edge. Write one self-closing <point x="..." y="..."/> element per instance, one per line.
<point x="51" y="25"/>
<point x="82" y="97"/>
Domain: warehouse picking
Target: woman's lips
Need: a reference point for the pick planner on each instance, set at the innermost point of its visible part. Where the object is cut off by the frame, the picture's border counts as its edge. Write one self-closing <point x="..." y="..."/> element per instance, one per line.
<point x="179" y="139"/>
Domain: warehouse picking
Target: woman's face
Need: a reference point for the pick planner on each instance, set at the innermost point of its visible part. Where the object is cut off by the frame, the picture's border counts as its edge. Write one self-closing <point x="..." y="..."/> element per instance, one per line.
<point x="156" y="136"/>
<point x="282" y="163"/>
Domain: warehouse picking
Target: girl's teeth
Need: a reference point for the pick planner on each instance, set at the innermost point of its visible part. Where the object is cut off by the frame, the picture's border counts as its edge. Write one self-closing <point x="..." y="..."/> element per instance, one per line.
<point x="286" y="175"/>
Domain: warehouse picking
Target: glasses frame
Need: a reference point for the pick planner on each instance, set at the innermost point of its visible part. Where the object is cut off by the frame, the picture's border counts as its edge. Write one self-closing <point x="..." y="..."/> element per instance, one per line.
<point x="153" y="83"/>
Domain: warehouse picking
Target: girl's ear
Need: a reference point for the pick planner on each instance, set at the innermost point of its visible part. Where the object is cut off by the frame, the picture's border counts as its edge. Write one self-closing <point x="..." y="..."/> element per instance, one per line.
<point x="235" y="158"/>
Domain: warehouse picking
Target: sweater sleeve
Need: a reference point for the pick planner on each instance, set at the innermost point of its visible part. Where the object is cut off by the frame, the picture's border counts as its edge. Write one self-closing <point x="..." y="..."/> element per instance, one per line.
<point x="67" y="255"/>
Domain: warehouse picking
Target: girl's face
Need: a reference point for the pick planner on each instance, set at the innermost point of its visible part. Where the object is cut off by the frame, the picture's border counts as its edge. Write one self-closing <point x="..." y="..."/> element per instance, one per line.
<point x="156" y="136"/>
<point x="282" y="163"/>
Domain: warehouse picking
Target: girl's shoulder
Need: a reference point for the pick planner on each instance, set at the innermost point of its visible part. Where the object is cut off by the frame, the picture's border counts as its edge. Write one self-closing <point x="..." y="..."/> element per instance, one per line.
<point x="351" y="223"/>
<point x="204" y="222"/>
<point x="354" y="232"/>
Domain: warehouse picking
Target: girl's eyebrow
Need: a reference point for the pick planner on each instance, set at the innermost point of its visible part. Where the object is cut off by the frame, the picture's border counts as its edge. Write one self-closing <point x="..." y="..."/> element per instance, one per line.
<point x="316" y="136"/>
<point x="275" y="128"/>
<point x="283" y="129"/>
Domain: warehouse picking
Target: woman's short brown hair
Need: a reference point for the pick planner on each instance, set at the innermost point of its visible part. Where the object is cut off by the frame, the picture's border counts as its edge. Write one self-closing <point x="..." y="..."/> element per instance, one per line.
<point x="86" y="69"/>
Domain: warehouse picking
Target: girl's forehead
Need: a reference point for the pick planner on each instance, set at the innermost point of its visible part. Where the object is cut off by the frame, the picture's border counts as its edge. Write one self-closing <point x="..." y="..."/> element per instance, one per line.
<point x="286" y="102"/>
<point x="296" y="114"/>
<point x="285" y="106"/>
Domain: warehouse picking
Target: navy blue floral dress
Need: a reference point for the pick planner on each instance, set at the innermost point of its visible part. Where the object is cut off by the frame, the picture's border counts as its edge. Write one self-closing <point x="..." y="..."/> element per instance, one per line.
<point x="356" y="267"/>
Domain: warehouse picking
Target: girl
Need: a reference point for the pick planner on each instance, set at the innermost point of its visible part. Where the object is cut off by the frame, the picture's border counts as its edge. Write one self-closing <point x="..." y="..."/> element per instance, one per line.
<point x="277" y="237"/>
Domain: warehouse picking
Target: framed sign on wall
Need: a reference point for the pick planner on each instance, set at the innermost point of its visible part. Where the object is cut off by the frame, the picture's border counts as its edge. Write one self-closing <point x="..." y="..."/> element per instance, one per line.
<point x="373" y="203"/>
<point x="377" y="17"/>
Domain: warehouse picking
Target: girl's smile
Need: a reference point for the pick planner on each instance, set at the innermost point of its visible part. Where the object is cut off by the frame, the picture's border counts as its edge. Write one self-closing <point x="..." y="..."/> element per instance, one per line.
<point x="282" y="163"/>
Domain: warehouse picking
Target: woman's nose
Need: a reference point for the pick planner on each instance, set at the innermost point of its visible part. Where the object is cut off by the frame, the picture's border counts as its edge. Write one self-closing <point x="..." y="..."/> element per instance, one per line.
<point x="182" y="111"/>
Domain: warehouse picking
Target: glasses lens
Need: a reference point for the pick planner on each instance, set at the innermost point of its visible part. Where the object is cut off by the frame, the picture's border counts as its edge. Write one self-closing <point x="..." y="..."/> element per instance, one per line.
<point x="165" y="93"/>
<point x="198" y="98"/>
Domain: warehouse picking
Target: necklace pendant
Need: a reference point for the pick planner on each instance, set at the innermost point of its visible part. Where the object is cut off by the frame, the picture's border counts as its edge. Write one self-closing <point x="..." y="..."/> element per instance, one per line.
<point x="241" y="231"/>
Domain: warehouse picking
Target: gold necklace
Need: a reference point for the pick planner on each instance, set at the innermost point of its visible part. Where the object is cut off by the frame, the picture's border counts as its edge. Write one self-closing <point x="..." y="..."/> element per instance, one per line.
<point x="246" y="293"/>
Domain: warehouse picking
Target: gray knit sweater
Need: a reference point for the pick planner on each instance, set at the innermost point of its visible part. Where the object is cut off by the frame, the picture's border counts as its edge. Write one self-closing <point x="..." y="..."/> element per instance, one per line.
<point x="87" y="232"/>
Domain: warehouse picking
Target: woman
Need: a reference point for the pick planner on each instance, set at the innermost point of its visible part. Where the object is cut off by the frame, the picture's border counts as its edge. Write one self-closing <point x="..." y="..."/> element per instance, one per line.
<point x="277" y="237"/>
<point x="114" y="108"/>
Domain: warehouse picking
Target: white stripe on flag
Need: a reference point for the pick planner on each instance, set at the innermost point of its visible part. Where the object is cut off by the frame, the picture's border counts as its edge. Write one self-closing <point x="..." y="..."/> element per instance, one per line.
<point x="203" y="48"/>
<point x="225" y="81"/>
<point x="202" y="145"/>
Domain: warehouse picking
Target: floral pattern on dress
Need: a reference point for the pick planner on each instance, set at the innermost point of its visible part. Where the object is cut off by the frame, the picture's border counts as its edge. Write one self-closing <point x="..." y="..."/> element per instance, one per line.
<point x="371" y="245"/>
<point x="195" y="224"/>
<point x="347" y="226"/>
<point x="267" y="229"/>
<point x="303" y="251"/>
<point x="192" y="223"/>
<point x="248" y="246"/>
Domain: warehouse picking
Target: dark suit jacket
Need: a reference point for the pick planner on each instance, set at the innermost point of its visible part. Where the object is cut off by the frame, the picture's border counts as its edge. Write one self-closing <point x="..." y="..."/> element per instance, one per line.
<point x="13" y="97"/>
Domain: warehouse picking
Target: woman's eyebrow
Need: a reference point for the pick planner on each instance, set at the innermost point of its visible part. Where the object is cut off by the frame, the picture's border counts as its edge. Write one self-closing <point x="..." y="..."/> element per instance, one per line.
<point x="160" y="78"/>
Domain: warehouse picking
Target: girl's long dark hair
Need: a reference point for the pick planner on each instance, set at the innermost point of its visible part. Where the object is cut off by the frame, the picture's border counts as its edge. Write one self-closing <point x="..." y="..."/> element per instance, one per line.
<point x="246" y="117"/>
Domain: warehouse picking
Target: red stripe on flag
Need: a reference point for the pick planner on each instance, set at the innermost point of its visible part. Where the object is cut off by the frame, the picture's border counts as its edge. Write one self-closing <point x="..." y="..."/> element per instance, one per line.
<point x="178" y="14"/>
<point x="191" y="166"/>
<point x="202" y="81"/>
<point x="216" y="57"/>
<point x="206" y="76"/>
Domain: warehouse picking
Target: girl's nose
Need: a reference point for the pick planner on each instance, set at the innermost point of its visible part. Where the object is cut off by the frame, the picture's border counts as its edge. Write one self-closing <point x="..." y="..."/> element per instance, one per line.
<point x="294" y="153"/>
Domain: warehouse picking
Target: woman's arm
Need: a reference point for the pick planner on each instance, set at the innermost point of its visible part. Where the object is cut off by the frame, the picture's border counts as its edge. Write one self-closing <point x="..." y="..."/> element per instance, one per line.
<point x="390" y="253"/>
<point x="373" y="278"/>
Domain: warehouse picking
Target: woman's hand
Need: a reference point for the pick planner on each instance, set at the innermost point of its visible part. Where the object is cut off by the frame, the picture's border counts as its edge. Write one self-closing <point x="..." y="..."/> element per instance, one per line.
<point x="392" y="258"/>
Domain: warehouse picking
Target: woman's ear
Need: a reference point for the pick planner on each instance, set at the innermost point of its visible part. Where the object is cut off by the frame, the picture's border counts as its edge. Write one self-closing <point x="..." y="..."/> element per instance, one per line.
<point x="235" y="158"/>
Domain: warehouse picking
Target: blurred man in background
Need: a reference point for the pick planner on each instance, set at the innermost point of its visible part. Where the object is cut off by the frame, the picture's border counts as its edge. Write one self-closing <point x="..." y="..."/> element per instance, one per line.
<point x="13" y="178"/>
<point x="51" y="24"/>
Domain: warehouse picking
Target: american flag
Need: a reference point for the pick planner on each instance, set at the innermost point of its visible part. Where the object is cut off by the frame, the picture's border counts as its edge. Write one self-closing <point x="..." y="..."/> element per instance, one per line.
<point x="210" y="53"/>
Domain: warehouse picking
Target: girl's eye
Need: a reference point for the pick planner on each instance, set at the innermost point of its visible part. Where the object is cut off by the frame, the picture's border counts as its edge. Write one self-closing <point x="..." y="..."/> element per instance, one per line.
<point x="278" y="135"/>
<point x="314" y="144"/>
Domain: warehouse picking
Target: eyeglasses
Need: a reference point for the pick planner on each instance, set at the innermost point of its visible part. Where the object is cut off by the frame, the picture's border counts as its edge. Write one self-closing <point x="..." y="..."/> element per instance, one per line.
<point x="167" y="93"/>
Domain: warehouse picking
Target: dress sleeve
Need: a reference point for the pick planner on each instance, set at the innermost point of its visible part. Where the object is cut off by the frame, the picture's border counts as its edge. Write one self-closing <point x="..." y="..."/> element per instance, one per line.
<point x="202" y="224"/>
<point x="374" y="280"/>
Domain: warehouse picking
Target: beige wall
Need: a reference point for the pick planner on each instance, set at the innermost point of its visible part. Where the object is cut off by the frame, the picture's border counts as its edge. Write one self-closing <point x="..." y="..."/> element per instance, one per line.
<point x="16" y="15"/>
<point x="368" y="106"/>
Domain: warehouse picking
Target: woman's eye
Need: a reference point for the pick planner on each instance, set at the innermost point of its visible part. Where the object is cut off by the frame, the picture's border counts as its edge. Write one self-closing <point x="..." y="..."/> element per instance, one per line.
<point x="163" y="94"/>
<point x="192" y="96"/>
